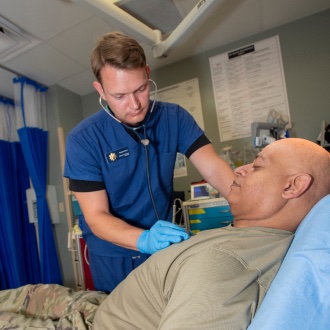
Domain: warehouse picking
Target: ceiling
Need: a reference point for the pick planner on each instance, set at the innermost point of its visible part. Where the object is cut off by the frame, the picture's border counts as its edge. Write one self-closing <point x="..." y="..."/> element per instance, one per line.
<point x="62" y="33"/>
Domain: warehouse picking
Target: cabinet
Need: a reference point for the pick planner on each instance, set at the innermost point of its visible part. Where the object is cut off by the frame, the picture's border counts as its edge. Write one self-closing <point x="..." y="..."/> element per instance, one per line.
<point x="206" y="214"/>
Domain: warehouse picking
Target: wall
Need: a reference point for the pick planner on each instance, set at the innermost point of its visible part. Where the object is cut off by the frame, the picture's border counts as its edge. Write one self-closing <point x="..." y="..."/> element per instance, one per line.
<point x="63" y="110"/>
<point x="306" y="59"/>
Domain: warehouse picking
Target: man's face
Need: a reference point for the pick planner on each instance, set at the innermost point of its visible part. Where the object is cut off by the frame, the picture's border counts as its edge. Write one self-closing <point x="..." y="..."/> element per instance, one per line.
<point x="126" y="93"/>
<point x="256" y="193"/>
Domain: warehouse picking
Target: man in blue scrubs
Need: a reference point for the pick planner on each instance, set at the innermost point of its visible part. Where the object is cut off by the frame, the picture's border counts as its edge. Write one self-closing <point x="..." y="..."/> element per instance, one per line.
<point x="120" y="163"/>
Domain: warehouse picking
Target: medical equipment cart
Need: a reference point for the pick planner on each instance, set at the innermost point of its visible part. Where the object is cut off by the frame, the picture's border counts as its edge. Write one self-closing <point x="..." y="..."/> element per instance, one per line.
<point x="202" y="214"/>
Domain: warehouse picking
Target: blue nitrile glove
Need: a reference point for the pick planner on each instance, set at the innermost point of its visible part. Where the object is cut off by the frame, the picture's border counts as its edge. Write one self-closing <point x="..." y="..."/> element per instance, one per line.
<point x="160" y="236"/>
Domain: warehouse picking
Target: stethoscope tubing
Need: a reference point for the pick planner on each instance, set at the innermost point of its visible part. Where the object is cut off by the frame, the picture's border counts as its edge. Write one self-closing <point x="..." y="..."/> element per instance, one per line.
<point x="144" y="142"/>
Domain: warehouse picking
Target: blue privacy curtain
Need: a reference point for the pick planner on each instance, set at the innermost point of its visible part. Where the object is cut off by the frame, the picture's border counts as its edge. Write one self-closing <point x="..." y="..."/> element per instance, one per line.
<point x="19" y="260"/>
<point x="30" y="102"/>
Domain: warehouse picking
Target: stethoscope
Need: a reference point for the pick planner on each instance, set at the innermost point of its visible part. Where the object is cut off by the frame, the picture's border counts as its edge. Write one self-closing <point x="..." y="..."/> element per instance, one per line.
<point x="144" y="141"/>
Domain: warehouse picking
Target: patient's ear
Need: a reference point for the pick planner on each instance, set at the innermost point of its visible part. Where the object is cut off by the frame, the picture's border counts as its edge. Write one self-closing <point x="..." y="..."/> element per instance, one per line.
<point x="297" y="185"/>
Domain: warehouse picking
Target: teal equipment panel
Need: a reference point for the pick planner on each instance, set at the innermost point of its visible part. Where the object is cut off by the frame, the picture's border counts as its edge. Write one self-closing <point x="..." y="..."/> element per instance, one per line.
<point x="207" y="214"/>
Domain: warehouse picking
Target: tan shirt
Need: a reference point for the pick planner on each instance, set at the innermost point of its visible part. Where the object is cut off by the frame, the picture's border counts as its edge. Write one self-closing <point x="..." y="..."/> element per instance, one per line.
<point x="215" y="280"/>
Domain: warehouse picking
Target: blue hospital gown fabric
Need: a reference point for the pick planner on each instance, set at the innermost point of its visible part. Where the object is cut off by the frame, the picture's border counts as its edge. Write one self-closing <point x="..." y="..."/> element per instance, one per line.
<point x="170" y="129"/>
<point x="215" y="280"/>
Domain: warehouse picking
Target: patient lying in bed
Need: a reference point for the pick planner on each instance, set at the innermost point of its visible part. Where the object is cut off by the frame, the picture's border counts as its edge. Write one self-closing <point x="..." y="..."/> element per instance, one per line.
<point x="214" y="280"/>
<point x="218" y="279"/>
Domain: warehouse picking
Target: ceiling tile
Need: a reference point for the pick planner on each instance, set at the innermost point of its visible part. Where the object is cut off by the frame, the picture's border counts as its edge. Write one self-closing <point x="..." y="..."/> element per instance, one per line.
<point x="79" y="41"/>
<point x="50" y="67"/>
<point x="43" y="19"/>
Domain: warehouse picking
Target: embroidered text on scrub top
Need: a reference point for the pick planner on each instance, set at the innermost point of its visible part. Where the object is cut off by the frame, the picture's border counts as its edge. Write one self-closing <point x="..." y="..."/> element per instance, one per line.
<point x="117" y="154"/>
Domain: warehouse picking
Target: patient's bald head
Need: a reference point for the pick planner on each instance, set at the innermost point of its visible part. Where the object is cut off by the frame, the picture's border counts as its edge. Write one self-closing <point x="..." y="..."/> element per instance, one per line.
<point x="309" y="157"/>
<point x="287" y="178"/>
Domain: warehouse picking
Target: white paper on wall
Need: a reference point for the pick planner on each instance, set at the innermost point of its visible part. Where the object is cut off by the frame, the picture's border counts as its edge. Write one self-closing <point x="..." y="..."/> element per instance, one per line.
<point x="249" y="85"/>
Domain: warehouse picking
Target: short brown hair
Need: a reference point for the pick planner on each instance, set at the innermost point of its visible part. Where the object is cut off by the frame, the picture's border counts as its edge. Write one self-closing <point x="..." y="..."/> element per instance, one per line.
<point x="117" y="50"/>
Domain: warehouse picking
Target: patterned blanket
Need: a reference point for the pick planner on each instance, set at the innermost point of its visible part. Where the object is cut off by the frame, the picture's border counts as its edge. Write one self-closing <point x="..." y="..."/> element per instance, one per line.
<point x="48" y="306"/>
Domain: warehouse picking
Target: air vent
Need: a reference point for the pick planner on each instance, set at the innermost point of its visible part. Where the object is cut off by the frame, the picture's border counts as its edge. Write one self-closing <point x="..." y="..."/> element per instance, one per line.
<point x="13" y="40"/>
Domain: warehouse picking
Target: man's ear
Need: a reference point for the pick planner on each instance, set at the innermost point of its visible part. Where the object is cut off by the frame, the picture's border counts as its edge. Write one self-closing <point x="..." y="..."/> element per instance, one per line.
<point x="99" y="88"/>
<point x="148" y="70"/>
<point x="297" y="185"/>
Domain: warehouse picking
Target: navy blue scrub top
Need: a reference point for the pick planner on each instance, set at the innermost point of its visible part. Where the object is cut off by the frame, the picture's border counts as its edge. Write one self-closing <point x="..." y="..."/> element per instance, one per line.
<point x="100" y="149"/>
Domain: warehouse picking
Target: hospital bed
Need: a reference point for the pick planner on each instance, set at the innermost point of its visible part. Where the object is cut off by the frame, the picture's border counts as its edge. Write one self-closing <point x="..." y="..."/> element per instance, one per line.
<point x="298" y="298"/>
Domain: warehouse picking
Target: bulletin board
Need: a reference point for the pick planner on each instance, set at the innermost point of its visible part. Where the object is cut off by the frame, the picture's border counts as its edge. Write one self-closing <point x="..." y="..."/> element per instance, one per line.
<point x="187" y="95"/>
<point x="249" y="85"/>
